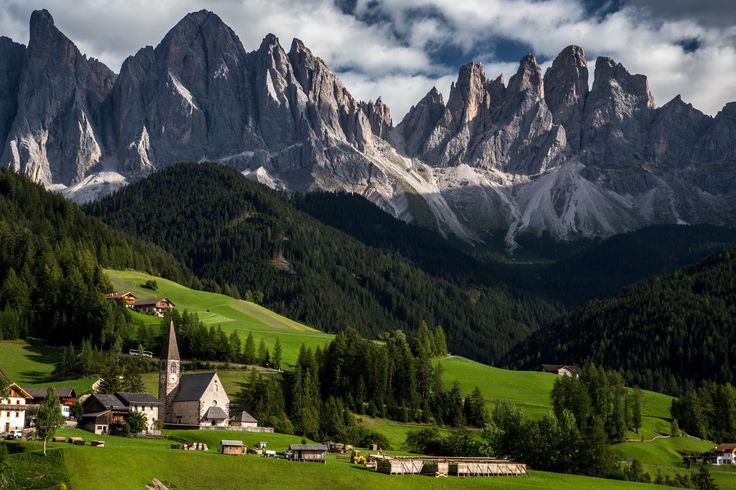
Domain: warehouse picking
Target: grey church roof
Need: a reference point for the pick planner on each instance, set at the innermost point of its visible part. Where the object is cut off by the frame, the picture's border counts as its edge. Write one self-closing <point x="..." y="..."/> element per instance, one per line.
<point x="193" y="386"/>
<point x="215" y="413"/>
<point x="171" y="348"/>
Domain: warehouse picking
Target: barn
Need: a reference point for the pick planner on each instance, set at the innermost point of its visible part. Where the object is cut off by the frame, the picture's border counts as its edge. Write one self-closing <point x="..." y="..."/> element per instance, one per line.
<point x="316" y="453"/>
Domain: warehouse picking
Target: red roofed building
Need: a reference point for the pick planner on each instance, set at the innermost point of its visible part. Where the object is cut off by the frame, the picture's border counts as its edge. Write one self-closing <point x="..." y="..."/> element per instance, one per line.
<point x="126" y="297"/>
<point x="725" y="453"/>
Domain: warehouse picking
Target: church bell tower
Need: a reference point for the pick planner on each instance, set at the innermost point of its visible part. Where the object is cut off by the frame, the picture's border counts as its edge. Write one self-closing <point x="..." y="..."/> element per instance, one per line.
<point x="169" y="374"/>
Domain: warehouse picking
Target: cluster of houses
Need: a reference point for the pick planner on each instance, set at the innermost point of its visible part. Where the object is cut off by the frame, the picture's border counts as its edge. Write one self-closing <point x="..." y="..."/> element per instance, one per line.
<point x="16" y="403"/>
<point x="192" y="401"/>
<point x="157" y="306"/>
<point x="195" y="401"/>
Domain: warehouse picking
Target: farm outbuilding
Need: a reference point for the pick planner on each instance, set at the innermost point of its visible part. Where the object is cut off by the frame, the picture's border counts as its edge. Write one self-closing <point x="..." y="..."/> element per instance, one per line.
<point x="316" y="453"/>
<point x="486" y="467"/>
<point x="443" y="466"/>
<point x="232" y="447"/>
<point x="397" y="465"/>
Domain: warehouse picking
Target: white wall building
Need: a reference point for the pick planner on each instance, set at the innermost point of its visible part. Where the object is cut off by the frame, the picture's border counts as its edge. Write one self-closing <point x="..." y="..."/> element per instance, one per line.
<point x="13" y="408"/>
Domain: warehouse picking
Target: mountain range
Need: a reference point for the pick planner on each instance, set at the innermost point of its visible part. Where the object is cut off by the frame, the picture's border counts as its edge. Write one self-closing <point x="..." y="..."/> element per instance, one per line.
<point x="541" y="153"/>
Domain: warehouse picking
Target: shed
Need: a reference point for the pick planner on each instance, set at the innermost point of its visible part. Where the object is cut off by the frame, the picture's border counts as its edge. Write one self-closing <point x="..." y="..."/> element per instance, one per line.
<point x="396" y="465"/>
<point x="244" y="420"/>
<point x="232" y="447"/>
<point x="316" y="453"/>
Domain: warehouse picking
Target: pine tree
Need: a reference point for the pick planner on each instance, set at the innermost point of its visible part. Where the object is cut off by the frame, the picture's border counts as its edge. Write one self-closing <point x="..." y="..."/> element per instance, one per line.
<point x="263" y="359"/>
<point x="636" y="409"/>
<point x="276" y="358"/>
<point x="675" y="428"/>
<point x="440" y="342"/>
<point x="249" y="353"/>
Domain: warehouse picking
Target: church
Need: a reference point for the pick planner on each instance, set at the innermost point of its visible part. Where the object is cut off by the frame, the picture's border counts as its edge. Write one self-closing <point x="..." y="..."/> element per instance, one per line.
<point x="189" y="400"/>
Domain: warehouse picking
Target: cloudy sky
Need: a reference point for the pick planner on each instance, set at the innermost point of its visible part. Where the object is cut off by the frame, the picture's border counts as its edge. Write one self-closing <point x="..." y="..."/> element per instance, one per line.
<point x="399" y="49"/>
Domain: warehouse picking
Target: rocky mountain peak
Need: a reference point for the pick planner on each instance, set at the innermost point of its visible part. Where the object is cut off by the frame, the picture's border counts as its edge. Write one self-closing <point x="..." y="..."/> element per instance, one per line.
<point x="541" y="154"/>
<point x="608" y="72"/>
<point x="565" y="91"/>
<point x="379" y="117"/>
<point x="468" y="94"/>
<point x="527" y="77"/>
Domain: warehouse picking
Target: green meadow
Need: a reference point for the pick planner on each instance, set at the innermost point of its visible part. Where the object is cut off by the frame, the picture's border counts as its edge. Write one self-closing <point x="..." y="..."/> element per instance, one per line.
<point x="132" y="463"/>
<point x="218" y="309"/>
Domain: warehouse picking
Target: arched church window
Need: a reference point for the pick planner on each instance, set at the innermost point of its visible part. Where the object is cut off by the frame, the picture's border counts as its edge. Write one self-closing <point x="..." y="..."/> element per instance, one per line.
<point x="173" y="368"/>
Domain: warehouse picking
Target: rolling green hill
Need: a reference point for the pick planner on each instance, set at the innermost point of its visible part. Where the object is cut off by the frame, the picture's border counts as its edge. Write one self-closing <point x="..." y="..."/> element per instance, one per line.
<point x="218" y="309"/>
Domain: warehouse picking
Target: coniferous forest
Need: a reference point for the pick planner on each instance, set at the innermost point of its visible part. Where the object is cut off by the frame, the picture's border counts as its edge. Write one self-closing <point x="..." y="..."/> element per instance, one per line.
<point x="51" y="282"/>
<point x="660" y="333"/>
<point x="231" y="231"/>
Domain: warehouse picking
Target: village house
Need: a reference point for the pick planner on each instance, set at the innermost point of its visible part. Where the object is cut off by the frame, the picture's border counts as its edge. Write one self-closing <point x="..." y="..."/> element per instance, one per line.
<point x="13" y="400"/>
<point x="190" y="400"/>
<point x="126" y="297"/>
<point x="725" y="453"/>
<point x="156" y="307"/>
<point x="102" y="413"/>
<point x="144" y="403"/>
<point x="105" y="413"/>
<point x="569" y="370"/>
<point x="67" y="396"/>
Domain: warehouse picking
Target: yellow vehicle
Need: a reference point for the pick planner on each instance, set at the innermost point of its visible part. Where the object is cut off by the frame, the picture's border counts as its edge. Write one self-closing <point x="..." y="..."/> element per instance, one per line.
<point x="356" y="457"/>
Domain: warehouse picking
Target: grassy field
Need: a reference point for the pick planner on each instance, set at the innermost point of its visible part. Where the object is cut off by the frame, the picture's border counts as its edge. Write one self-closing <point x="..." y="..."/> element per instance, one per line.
<point x="664" y="455"/>
<point x="31" y="363"/>
<point x="131" y="463"/>
<point x="229" y="313"/>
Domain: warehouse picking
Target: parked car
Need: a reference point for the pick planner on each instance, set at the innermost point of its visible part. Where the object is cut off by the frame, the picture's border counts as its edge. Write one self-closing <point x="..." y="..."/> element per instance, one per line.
<point x="14" y="434"/>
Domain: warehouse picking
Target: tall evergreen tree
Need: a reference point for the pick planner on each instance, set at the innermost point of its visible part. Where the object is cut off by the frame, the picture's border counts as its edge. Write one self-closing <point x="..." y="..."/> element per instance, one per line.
<point x="249" y="352"/>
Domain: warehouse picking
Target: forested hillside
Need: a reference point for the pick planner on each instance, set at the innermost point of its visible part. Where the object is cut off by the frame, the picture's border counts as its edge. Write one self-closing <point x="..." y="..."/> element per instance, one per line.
<point x="602" y="270"/>
<point x="566" y="272"/>
<point x="661" y="332"/>
<point x="51" y="284"/>
<point x="235" y="232"/>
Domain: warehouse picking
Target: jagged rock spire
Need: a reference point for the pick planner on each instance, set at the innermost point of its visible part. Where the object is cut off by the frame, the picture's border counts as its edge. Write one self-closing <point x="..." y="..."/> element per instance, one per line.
<point x="527" y="77"/>
<point x="171" y="348"/>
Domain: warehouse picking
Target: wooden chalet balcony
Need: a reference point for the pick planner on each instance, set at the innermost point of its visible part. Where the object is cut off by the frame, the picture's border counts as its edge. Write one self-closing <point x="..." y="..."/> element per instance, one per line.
<point x="13" y="407"/>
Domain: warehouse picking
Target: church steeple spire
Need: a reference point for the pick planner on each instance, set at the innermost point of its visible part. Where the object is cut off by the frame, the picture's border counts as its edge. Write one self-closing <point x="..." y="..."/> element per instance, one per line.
<point x="171" y="348"/>
<point x="169" y="373"/>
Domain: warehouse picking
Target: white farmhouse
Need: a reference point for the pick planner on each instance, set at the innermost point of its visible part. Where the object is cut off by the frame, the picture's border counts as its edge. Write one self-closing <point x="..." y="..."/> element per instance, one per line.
<point x="13" y="401"/>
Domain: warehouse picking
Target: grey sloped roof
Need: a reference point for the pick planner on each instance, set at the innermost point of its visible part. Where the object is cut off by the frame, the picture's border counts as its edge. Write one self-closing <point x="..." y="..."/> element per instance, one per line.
<point x="215" y="413"/>
<point x="308" y="447"/>
<point x="110" y="401"/>
<point x="244" y="417"/>
<point x="226" y="442"/>
<point x="193" y="386"/>
<point x="137" y="398"/>
<point x="62" y="391"/>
